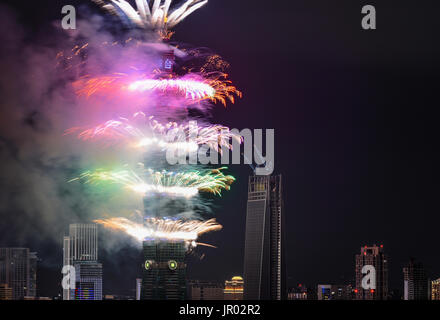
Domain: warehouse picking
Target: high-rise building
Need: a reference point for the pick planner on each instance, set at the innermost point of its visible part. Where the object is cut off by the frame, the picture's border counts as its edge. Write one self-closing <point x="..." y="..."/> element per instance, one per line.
<point x="415" y="281"/>
<point x="164" y="270"/>
<point x="372" y="256"/>
<point x="234" y="288"/>
<point x="5" y="292"/>
<point x="81" y="252"/>
<point x="264" y="264"/>
<point x="435" y="289"/>
<point x="204" y="290"/>
<point x="33" y="262"/>
<point x="18" y="271"/>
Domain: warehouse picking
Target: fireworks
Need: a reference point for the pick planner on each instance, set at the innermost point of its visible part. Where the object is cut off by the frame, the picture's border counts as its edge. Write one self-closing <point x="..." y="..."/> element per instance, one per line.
<point x="155" y="228"/>
<point x="158" y="16"/>
<point x="136" y="78"/>
<point x="179" y="184"/>
<point x="192" y="88"/>
<point x="185" y="137"/>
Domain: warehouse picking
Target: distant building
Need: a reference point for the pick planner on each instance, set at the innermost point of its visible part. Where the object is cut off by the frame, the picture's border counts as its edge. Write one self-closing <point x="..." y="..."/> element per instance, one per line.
<point x="33" y="262"/>
<point x="18" y="271"/>
<point x="435" y="289"/>
<point x="376" y="257"/>
<point x="138" y="288"/>
<point x="234" y="289"/>
<point x="335" y="292"/>
<point x="204" y="290"/>
<point x="5" y="292"/>
<point x="324" y="291"/>
<point x="81" y="251"/>
<point x="37" y="298"/>
<point x="264" y="264"/>
<point x="342" y="292"/>
<point x="298" y="293"/>
<point x="415" y="282"/>
<point x="117" y="297"/>
<point x="88" y="284"/>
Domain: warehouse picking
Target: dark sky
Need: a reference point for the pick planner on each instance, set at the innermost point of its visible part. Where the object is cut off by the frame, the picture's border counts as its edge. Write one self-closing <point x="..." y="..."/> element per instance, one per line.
<point x="354" y="114"/>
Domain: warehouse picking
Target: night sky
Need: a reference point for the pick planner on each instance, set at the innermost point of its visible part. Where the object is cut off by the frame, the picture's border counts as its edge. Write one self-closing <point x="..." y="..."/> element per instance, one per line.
<point x="355" y="121"/>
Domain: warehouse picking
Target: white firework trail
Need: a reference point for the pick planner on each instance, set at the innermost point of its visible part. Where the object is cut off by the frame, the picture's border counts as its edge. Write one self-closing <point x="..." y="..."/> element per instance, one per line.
<point x="157" y="14"/>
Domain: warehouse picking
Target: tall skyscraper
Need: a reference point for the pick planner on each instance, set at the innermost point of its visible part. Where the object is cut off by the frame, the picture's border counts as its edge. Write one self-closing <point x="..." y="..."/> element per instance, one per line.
<point x="376" y="257"/>
<point x="81" y="252"/>
<point x="234" y="288"/>
<point x="415" y="281"/>
<point x="435" y="289"/>
<point x="164" y="272"/>
<point x="264" y="264"/>
<point x="18" y="271"/>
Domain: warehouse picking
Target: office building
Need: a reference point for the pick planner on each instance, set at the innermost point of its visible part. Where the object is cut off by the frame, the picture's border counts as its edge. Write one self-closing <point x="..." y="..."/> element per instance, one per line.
<point x="415" y="282"/>
<point x="80" y="250"/>
<point x="264" y="264"/>
<point x="18" y="271"/>
<point x="374" y="257"/>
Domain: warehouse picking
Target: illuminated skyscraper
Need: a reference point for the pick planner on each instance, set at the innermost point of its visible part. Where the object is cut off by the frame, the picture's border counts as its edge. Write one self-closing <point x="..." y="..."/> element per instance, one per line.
<point x="81" y="252"/>
<point x="376" y="257"/>
<point x="234" y="289"/>
<point x="264" y="264"/>
<point x="415" y="282"/>
<point x="164" y="268"/>
<point x="18" y="271"/>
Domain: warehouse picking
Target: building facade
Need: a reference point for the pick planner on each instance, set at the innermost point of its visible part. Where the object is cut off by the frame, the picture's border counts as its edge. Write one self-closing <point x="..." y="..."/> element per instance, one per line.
<point x="415" y="282"/>
<point x="435" y="289"/>
<point x="372" y="256"/>
<point x="204" y="290"/>
<point x="234" y="288"/>
<point x="5" y="292"/>
<point x="80" y="250"/>
<point x="164" y="270"/>
<point x="264" y="264"/>
<point x="18" y="271"/>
